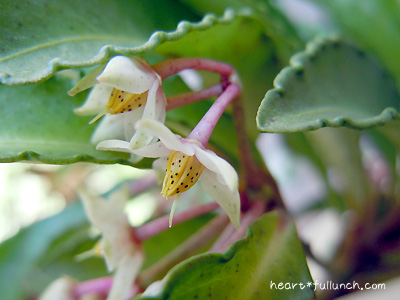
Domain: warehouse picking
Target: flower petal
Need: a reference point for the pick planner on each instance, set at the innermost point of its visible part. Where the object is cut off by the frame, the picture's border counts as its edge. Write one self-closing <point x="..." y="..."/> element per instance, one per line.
<point x="114" y="145"/>
<point x="227" y="199"/>
<point x="60" y="289"/>
<point x="154" y="150"/>
<point x="89" y="80"/>
<point x="130" y="119"/>
<point x="110" y="127"/>
<point x="167" y="137"/>
<point x="154" y="109"/>
<point x="128" y="74"/>
<point x="96" y="102"/>
<point x="226" y="173"/>
<point x="127" y="271"/>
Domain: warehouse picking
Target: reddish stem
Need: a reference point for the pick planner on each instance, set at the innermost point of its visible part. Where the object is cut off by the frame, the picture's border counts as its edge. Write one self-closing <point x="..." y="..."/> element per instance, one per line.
<point x="99" y="286"/>
<point x="174" y="66"/>
<point x="191" y="97"/>
<point x="256" y="210"/>
<point x="153" y="228"/>
<point x="205" y="127"/>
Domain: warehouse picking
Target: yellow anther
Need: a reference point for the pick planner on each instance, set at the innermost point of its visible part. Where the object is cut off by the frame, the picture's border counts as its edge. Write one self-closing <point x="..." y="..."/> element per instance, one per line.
<point x="183" y="171"/>
<point x="121" y="101"/>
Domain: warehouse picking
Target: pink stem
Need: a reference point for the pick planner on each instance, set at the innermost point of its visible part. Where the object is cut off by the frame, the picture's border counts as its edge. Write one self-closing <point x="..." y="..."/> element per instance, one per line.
<point x="250" y="216"/>
<point x="100" y="286"/>
<point x="224" y="236"/>
<point x="173" y="66"/>
<point x="191" y="97"/>
<point x="205" y="127"/>
<point x="142" y="184"/>
<point x="153" y="228"/>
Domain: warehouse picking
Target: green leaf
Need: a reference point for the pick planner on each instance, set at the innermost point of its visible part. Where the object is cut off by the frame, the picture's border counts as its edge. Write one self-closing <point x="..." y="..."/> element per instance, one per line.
<point x="275" y="24"/>
<point x="354" y="21"/>
<point x="38" y="123"/>
<point x="40" y="37"/>
<point x="333" y="84"/>
<point x="20" y="255"/>
<point x="270" y="253"/>
<point x="339" y="149"/>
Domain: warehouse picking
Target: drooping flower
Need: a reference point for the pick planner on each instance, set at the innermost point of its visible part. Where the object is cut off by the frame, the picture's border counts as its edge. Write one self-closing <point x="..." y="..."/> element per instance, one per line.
<point x="125" y="91"/>
<point x="186" y="161"/>
<point x="119" y="248"/>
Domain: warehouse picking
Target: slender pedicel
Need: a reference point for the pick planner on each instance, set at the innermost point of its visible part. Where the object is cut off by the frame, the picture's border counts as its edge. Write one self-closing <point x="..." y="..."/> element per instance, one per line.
<point x="153" y="228"/>
<point x="205" y="127"/>
<point x="192" y="97"/>
<point x="174" y="66"/>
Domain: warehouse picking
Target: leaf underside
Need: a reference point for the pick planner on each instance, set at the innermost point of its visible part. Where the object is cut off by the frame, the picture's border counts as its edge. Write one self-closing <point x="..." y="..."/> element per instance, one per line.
<point x="330" y="84"/>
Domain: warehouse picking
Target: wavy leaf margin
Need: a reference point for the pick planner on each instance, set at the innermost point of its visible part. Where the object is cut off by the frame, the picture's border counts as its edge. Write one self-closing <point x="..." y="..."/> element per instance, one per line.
<point x="296" y="67"/>
<point x="108" y="51"/>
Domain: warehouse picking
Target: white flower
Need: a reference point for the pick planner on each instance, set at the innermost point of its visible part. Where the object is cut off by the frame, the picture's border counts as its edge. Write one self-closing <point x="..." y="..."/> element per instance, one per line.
<point x="187" y="163"/>
<point x="127" y="90"/>
<point x="120" y="250"/>
<point x="60" y="289"/>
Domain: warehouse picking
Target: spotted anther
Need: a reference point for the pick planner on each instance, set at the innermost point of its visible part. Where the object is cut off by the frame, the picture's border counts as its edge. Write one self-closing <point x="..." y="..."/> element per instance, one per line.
<point x="180" y="178"/>
<point x="122" y="101"/>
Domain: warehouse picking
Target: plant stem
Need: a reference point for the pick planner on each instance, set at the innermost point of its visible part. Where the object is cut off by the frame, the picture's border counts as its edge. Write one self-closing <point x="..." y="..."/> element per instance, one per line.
<point x="174" y="66"/>
<point x="99" y="286"/>
<point x="256" y="210"/>
<point x="191" y="97"/>
<point x="254" y="176"/>
<point x="205" y="127"/>
<point x="153" y="228"/>
<point x="185" y="250"/>
<point x="139" y="186"/>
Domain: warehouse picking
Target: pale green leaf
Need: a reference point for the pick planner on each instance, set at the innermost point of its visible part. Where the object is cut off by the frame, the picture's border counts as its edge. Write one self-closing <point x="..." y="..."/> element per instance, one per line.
<point x="332" y="83"/>
<point x="40" y="37"/>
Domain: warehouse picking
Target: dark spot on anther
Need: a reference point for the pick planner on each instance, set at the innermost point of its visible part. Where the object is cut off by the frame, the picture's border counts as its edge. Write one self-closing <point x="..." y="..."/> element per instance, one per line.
<point x="187" y="174"/>
<point x="191" y="168"/>
<point x="173" y="163"/>
<point x="130" y="109"/>
<point x="186" y="186"/>
<point x="176" y="174"/>
<point x="181" y="183"/>
<point x="179" y="160"/>
<point x="172" y="176"/>
<point x="140" y="105"/>
<point x="172" y="182"/>
<point x="197" y="174"/>
<point x="191" y="178"/>
<point x="119" y="96"/>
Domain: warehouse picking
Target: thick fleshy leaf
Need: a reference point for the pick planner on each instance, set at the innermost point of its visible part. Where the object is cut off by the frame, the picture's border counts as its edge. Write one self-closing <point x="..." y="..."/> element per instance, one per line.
<point x="38" y="123"/>
<point x="270" y="253"/>
<point x="353" y="17"/>
<point x="40" y="37"/>
<point x="332" y="83"/>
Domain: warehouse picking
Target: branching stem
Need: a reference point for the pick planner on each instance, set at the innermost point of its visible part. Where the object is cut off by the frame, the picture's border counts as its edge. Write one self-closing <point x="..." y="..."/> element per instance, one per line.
<point x="174" y="66"/>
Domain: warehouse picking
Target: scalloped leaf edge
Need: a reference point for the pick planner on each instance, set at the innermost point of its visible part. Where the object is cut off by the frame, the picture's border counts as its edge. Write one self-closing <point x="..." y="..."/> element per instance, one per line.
<point x="108" y="51"/>
<point x="296" y="66"/>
